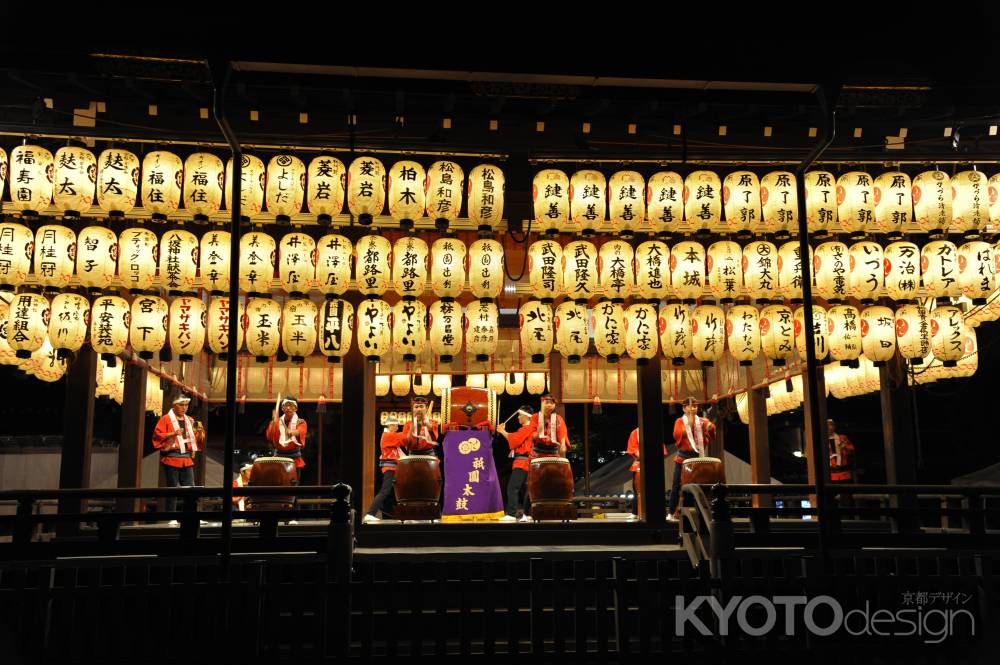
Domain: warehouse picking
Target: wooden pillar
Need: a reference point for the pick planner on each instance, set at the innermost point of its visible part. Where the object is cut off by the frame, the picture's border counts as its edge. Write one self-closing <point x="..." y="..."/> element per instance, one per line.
<point x="133" y="433"/>
<point x="814" y="439"/>
<point x="357" y="426"/>
<point x="201" y="459"/>
<point x="651" y="439"/>
<point x="760" y="449"/>
<point x="78" y="426"/>
<point x="555" y="382"/>
<point x="898" y="431"/>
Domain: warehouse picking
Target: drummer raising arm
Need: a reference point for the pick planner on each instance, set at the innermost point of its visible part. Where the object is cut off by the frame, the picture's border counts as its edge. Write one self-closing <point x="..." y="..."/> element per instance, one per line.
<point x="550" y="437"/>
<point x="287" y="432"/>
<point x="693" y="435"/>
<point x="420" y="433"/>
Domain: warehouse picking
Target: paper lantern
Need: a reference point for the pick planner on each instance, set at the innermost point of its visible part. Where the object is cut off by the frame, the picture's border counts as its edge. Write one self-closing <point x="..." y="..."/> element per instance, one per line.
<point x="867" y="271"/>
<point x="407" y="199"/>
<point x="443" y="193"/>
<point x="902" y="271"/>
<point x="819" y="332"/>
<point x="148" y="330"/>
<point x="844" y="332"/>
<point x="741" y="202"/>
<point x="409" y="267"/>
<point x="75" y="179"/>
<point x="482" y="322"/>
<point x="297" y="263"/>
<point x="821" y="202"/>
<point x="676" y="341"/>
<point x="110" y="319"/>
<point x="537" y="331"/>
<point x="550" y="194"/>
<point x="514" y="384"/>
<point x="970" y="203"/>
<point x="893" y="202"/>
<point x="422" y="384"/>
<point x="975" y="271"/>
<point x="614" y="261"/>
<point x="286" y="187"/>
<point x="780" y="202"/>
<point x="409" y="329"/>
<point x="448" y="267"/>
<point x="374" y="330"/>
<point x="627" y="202"/>
<point x="992" y="189"/>
<point x="664" y="201"/>
<point x="743" y="333"/>
<point x="856" y="203"/>
<point x="162" y="178"/>
<point x="545" y="272"/>
<point x="939" y="268"/>
<point x="28" y="319"/>
<point x="336" y="328"/>
<point x="702" y="199"/>
<point x="108" y="378"/>
<point x="262" y="324"/>
<point x="641" y="332"/>
<point x="913" y="332"/>
<point x="214" y="256"/>
<point x="333" y="264"/>
<point x="790" y="271"/>
<point x="760" y="270"/>
<point x="486" y="268"/>
<point x="496" y="381"/>
<point x="652" y="270"/>
<point x="475" y="380"/>
<point x="441" y="383"/>
<point x="137" y="259"/>
<point x="31" y="174"/>
<point x="17" y="245"/>
<point x="188" y="321"/>
<point x="252" y="176"/>
<point x="948" y="333"/>
<point x="96" y="258"/>
<point x="382" y="384"/>
<point x="117" y="181"/>
<point x="400" y="385"/>
<point x="55" y="256"/>
<point x="932" y="201"/>
<point x="69" y="320"/>
<point x="831" y="266"/>
<point x="298" y="328"/>
<point x="580" y="271"/>
<point x="178" y="261"/>
<point x="535" y="383"/>
<point x="777" y="333"/>
<point x="47" y="364"/>
<point x="204" y="181"/>
<point x="708" y="326"/>
<point x="878" y="334"/>
<point x="587" y="204"/>
<point x="218" y="326"/>
<point x="445" y="327"/>
<point x="572" y="333"/>
<point x="325" y="188"/>
<point x="486" y="196"/>
<point x="608" y="324"/>
<point x="725" y="270"/>
<point x="257" y="252"/>
<point x="687" y="270"/>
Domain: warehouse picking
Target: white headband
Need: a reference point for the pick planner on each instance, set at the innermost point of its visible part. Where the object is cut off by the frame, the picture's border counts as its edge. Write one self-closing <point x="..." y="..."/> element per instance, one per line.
<point x="524" y="413"/>
<point x="182" y="400"/>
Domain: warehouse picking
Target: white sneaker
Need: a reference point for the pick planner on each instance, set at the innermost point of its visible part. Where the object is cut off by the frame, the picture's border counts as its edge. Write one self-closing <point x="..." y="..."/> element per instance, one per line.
<point x="524" y="518"/>
<point x="670" y="517"/>
<point x="370" y="519"/>
<point x="508" y="518"/>
<point x="293" y="521"/>
<point x="173" y="523"/>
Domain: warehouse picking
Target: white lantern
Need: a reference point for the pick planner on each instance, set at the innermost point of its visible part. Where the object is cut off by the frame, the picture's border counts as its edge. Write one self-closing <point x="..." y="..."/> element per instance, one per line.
<point x="627" y="202"/>
<point x="587" y="203"/>
<point x="286" y="186"/>
<point x="366" y="189"/>
<point x="188" y="321"/>
<point x="162" y="178"/>
<point x="422" y="384"/>
<point x="325" y="189"/>
<point x="298" y="328"/>
<point x="178" y="261"/>
<point x="939" y="268"/>
<point x="743" y="333"/>
<point x="777" y="333"/>
<point x="7" y="355"/>
<point x="975" y="271"/>
<point x="970" y="206"/>
<point x="741" y="202"/>
<point x="262" y="324"/>
<point x="902" y="271"/>
<point x="27" y="323"/>
<point x="708" y="326"/>
<point x="486" y="196"/>
<point x="407" y="199"/>
<point x="482" y="322"/>
<point x="948" y="332"/>
<point x="441" y="383"/>
<point x="932" y="200"/>
<point x="47" y="364"/>
<point x="110" y="318"/>
<point x="893" y="202"/>
<point x="409" y="267"/>
<point x="400" y="385"/>
<point x="821" y="201"/>
<point x="665" y="201"/>
<point x="336" y="328"/>
<point x="913" y="333"/>
<point x="844" y="332"/>
<point x="674" y="324"/>
<point x="780" y="201"/>
<point x="443" y="191"/>
<point x="297" y="263"/>
<point x="514" y="383"/>
<point x="17" y="245"/>
<point x="652" y="270"/>
<point x="537" y="331"/>
<point x="31" y="174"/>
<point x="608" y="324"/>
<point x="725" y="270"/>
<point x="55" y="256"/>
<point x="75" y="178"/>
<point x="545" y="272"/>
<point x="137" y="259"/>
<point x="831" y="266"/>
<point x="702" y="199"/>
<point x="69" y="320"/>
<point x="374" y="330"/>
<point x="615" y="272"/>
<point x="856" y="202"/>
<point x="448" y="267"/>
<point x="867" y="271"/>
<point x="257" y="252"/>
<point x="252" y="177"/>
<point x="218" y="326"/>
<point x="687" y="270"/>
<point x="993" y="192"/>
<point x="496" y="381"/>
<point x="409" y="329"/>
<point x="475" y="380"/>
<point x="572" y="334"/>
<point x="878" y="334"/>
<point x="204" y="181"/>
<point x="486" y="268"/>
<point x="819" y="332"/>
<point x="790" y="271"/>
<point x="214" y="257"/>
<point x="760" y="270"/>
<point x="96" y="258"/>
<point x="641" y="332"/>
<point x="445" y="329"/>
<point x="333" y="264"/>
<point x="550" y="195"/>
<point x="535" y="383"/>
<point x="580" y="272"/>
<point x="148" y="329"/>
<point x="382" y="384"/>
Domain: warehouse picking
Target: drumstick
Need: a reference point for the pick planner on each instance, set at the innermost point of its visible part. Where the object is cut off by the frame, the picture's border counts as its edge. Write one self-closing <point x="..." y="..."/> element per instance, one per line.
<point x="277" y="406"/>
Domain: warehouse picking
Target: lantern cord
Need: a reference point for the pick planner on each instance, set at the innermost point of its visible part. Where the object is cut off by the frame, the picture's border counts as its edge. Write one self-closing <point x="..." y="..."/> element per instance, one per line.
<point x="524" y="261"/>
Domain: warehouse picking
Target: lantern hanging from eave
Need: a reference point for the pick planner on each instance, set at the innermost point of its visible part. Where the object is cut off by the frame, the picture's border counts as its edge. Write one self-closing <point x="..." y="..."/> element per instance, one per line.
<point x="777" y="333"/>
<point x="333" y="264"/>
<point x="587" y="204"/>
<point x="992" y="189"/>
<point x="187" y="330"/>
<point x="117" y="181"/>
<point x="821" y="202"/>
<point x="780" y="202"/>
<point x="760" y="270"/>
<point x="514" y="384"/>
<point x="902" y="271"/>
<point x="162" y="178"/>
<point x="17" y="245"/>
<point x="687" y="270"/>
<point x="422" y="384"/>
<point x="579" y="266"/>
<point x="138" y="251"/>
<point x="148" y="330"/>
<point x="627" y="202"/>
<point x="831" y="271"/>
<point x="214" y="257"/>
<point x="445" y="328"/>
<point x="743" y="333"/>
<point x="545" y="273"/>
<point x="486" y="196"/>
<point x="47" y="364"/>
<point x="262" y="324"/>
<point x="550" y="196"/>
<point x="96" y="258"/>
<point x="702" y="199"/>
<point x="325" y="187"/>
<point x="893" y="203"/>
<point x="218" y="326"/>
<point x="31" y="174"/>
<point x="572" y="333"/>
<point x="970" y="204"/>
<point x="298" y="328"/>
<point x="252" y="176"/>
<point x="614" y="261"/>
<point x="407" y="199"/>
<point x="652" y="270"/>
<point x="204" y="182"/>
<point x="409" y="329"/>
<point x="475" y="380"/>
<point x="69" y="320"/>
<point x="286" y="187"/>
<point x="75" y="179"/>
<point x="55" y="256"/>
<point x="725" y="270"/>
<point x="878" y="334"/>
<point x="867" y="271"/>
<point x="110" y="319"/>
<point x="400" y="385"/>
<point x="932" y="201"/>
<point x="948" y="332"/>
<point x="496" y="381"/>
<point x="641" y="332"/>
<point x="297" y="263"/>
<point x="819" y="331"/>
<point x="843" y="324"/>
<point x="534" y="382"/>
<point x="27" y="323"/>
<point x="537" y="330"/>
<point x="443" y="193"/>
<point x="486" y="272"/>
<point x="409" y="267"/>
<point x="674" y="324"/>
<point x="257" y="253"/>
<point x="178" y="261"/>
<point x="448" y="257"/>
<point x="373" y="328"/>
<point x="482" y="322"/>
<point x="913" y="332"/>
<point x="382" y="385"/>
<point x="790" y="271"/>
<point x="741" y="202"/>
<point x="441" y="383"/>
<point x="856" y="203"/>
<point x="708" y="325"/>
<point x="665" y="201"/>
<point x="3" y="169"/>
<point x="336" y="328"/>
<point x="608" y="324"/>
<point x="975" y="271"/>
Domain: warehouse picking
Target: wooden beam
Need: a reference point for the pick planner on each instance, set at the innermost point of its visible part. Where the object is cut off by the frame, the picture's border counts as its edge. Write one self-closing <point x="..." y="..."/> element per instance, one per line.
<point x="133" y="433"/>
<point x="78" y="427"/>
<point x="651" y="439"/>
<point x="555" y="382"/>
<point x="898" y="431"/>
<point x="760" y="449"/>
<point x="201" y="459"/>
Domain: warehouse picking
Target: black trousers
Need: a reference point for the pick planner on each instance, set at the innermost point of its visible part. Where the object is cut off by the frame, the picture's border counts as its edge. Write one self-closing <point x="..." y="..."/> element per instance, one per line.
<point x="178" y="476"/>
<point x="384" y="492"/>
<point x="518" y="479"/>
<point x="675" y="489"/>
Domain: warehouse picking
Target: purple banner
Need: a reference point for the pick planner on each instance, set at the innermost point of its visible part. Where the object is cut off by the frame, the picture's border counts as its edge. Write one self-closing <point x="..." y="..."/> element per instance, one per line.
<point x="471" y="485"/>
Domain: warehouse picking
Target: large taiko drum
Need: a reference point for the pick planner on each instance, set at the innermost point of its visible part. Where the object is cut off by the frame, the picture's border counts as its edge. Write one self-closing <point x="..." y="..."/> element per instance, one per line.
<point x="272" y="472"/>
<point x="418" y="488"/>
<point x="701" y="471"/>
<point x="469" y="407"/>
<point x="550" y="488"/>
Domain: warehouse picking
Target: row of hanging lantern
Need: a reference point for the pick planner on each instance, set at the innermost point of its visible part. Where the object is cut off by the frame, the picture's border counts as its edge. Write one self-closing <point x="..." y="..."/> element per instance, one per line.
<point x="512" y="383"/>
<point x="854" y="202"/>
<point x="73" y="178"/>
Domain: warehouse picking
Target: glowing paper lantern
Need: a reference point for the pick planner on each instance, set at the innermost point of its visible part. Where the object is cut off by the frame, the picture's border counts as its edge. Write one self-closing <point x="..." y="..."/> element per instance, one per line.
<point x="819" y="331"/>
<point x="708" y="325"/>
<point x="545" y="272"/>
<point x="790" y="271"/>
<point x="400" y="385"/>
<point x="382" y="384"/>
<point x="110" y="318"/>
<point x="855" y="202"/>
<point x="204" y="181"/>
<point x="27" y="323"/>
<point x="608" y="324"/>
<point x="297" y="263"/>
<point x="867" y="271"/>
<point x="844" y="332"/>
<point x="137" y="259"/>
<point x="75" y="178"/>
<point x="550" y="195"/>
<point x="366" y="189"/>
<point x="760" y="270"/>
<point x="482" y="322"/>
<point x="421" y="384"/>
<point x="676" y="341"/>
<point x="96" y="258"/>
<point x="178" y="261"/>
<point x="535" y="383"/>
<point x="586" y="200"/>
<point x="893" y="202"/>
<point x="641" y="334"/>
<point x="777" y="333"/>
<point x="286" y="187"/>
<point x="409" y="267"/>
<point x="443" y="193"/>
<point x="975" y="271"/>
<point x="687" y="270"/>
<point x="741" y="202"/>
<point x="188" y="322"/>
<point x="441" y="383"/>
<point x="615" y="270"/>
<point x="475" y="380"/>
<point x="298" y="328"/>
<point x="702" y="199"/>
<point x="486" y="196"/>
<point x="148" y="329"/>
<point x="252" y="176"/>
<point x="257" y="252"/>
<point x="162" y="178"/>
<point x="325" y="187"/>
<point x="263" y="327"/>
<point x="407" y="199"/>
<point x="69" y="320"/>
<point x="409" y="329"/>
<point x="572" y="335"/>
<point x="374" y="330"/>
<point x="218" y="327"/>
<point x="821" y="202"/>
<point x="627" y="202"/>
<point x="831" y="266"/>
<point x="336" y="328"/>
<point x="580" y="271"/>
<point x="7" y="355"/>
<point x="537" y="331"/>
<point x="214" y="256"/>
<point x="55" y="256"/>
<point x="652" y="270"/>
<point x="514" y="383"/>
<point x="17" y="245"/>
<point x="993" y="192"/>
<point x="448" y="267"/>
<point x="948" y="332"/>
<point x="664" y="201"/>
<point x="333" y="264"/>
<point x="743" y="333"/>
<point x="932" y="201"/>
<point x="878" y="334"/>
<point x="486" y="268"/>
<point x="970" y="205"/>
<point x="446" y="329"/>
<point x="913" y="333"/>
<point x="780" y="201"/>
<point x="902" y="271"/>
<point x="725" y="270"/>
<point x="31" y="174"/>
